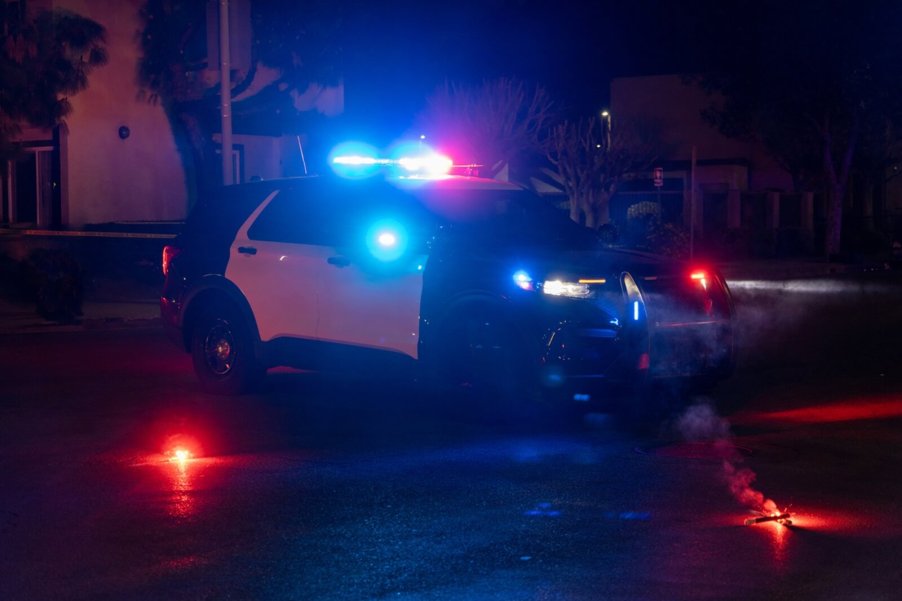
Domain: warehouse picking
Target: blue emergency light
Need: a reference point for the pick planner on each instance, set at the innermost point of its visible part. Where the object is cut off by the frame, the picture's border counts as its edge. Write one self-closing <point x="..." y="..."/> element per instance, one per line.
<point x="357" y="160"/>
<point x="387" y="240"/>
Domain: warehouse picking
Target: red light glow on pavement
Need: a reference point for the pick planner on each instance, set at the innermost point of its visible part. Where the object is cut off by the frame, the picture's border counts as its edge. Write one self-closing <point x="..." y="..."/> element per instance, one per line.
<point x="825" y="520"/>
<point x="818" y="520"/>
<point x="182" y="501"/>
<point x="780" y="535"/>
<point x="783" y="539"/>
<point x="182" y="451"/>
<point x="842" y="412"/>
<point x="849" y="410"/>
<point x="179" y="469"/>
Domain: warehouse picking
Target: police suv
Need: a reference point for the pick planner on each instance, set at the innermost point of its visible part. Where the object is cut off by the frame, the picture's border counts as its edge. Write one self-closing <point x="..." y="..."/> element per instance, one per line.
<point x="474" y="281"/>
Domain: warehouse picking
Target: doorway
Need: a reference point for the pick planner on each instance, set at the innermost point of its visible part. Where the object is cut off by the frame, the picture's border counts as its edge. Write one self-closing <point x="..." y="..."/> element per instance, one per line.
<point x="28" y="188"/>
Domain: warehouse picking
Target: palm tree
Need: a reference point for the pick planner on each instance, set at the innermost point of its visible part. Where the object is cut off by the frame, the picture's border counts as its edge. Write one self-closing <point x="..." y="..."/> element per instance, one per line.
<point x="294" y="45"/>
<point x="43" y="61"/>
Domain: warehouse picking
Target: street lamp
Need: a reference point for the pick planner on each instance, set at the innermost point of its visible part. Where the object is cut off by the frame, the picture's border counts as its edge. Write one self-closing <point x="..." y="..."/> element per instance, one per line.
<point x="606" y="128"/>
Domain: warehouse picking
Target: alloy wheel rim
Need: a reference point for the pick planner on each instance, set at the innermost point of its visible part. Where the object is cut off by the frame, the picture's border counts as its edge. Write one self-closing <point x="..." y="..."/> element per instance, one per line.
<point x="219" y="349"/>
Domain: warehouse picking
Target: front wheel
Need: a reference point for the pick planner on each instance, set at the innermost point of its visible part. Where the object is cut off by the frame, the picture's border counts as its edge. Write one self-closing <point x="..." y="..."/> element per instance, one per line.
<point x="482" y="355"/>
<point x="223" y="354"/>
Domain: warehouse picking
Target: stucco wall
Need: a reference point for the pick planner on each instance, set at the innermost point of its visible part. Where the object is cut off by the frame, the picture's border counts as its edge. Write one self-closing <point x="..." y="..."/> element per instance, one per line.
<point x="107" y="178"/>
<point x="676" y="107"/>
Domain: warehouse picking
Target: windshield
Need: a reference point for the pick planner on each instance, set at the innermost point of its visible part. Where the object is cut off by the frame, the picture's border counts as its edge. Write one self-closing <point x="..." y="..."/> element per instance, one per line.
<point x="507" y="218"/>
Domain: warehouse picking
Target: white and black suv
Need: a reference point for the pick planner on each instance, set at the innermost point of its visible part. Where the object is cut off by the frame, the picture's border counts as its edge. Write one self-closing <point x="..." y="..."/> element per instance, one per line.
<point x="476" y="281"/>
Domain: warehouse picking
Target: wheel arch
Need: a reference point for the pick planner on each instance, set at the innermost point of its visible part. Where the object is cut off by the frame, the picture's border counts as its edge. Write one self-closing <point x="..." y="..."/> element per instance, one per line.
<point x="432" y="325"/>
<point x="210" y="291"/>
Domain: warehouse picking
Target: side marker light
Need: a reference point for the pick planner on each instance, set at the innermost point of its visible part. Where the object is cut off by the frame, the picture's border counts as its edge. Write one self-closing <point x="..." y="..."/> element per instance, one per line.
<point x="523" y="280"/>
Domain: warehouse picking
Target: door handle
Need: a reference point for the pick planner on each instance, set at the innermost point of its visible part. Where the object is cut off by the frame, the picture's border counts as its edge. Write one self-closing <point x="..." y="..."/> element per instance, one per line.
<point x="247" y="250"/>
<point x="339" y="261"/>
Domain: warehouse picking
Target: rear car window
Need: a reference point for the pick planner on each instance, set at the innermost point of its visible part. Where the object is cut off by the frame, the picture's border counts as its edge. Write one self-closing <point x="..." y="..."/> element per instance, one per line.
<point x="338" y="214"/>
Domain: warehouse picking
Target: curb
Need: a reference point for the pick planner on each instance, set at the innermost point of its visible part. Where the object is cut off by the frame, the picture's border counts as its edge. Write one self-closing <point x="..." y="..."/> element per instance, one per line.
<point x="36" y="325"/>
<point x="23" y="318"/>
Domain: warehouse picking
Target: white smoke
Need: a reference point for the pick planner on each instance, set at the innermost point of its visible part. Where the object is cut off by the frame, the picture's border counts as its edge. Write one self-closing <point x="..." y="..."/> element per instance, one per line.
<point x="701" y="423"/>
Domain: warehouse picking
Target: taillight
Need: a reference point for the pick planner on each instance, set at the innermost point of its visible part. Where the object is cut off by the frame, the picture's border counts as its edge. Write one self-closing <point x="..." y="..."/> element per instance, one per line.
<point x="701" y="277"/>
<point x="169" y="253"/>
<point x="714" y="295"/>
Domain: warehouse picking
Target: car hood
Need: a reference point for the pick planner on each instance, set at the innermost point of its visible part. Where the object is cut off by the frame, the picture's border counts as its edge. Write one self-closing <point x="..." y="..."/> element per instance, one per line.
<point x="605" y="263"/>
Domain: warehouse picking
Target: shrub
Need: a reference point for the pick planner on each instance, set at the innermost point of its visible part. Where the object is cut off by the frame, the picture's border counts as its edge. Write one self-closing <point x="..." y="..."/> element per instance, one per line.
<point x="53" y="279"/>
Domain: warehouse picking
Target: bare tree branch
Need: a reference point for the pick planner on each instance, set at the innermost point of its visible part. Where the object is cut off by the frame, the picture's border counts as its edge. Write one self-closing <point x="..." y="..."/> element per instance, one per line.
<point x="498" y="122"/>
<point x="591" y="162"/>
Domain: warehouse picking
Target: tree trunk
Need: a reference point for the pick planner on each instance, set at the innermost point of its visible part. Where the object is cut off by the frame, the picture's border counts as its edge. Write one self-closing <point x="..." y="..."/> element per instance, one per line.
<point x="837" y="182"/>
<point x="591" y="221"/>
<point x="603" y="210"/>
<point x="832" y="239"/>
<point x="574" y="209"/>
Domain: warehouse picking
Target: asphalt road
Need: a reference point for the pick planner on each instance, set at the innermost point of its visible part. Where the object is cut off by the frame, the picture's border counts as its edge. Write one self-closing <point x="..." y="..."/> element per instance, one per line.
<point x="328" y="489"/>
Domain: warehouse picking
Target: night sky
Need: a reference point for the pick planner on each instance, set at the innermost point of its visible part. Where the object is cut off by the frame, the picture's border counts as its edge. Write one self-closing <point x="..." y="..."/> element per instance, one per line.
<point x="397" y="53"/>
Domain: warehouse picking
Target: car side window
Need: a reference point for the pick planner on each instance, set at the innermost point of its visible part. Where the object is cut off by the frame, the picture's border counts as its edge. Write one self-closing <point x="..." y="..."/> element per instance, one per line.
<point x="340" y="216"/>
<point x="298" y="217"/>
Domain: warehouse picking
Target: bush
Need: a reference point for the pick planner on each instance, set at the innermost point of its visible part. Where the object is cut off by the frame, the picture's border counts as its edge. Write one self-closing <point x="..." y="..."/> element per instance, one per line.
<point x="9" y="277"/>
<point x="54" y="280"/>
<point x="668" y="239"/>
<point x="650" y="234"/>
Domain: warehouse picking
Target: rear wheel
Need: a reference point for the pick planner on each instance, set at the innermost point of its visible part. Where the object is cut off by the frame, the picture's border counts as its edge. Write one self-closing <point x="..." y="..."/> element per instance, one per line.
<point x="223" y="352"/>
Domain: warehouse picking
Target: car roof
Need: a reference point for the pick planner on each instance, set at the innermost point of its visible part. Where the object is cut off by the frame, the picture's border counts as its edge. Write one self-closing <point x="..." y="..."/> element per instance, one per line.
<point x="446" y="182"/>
<point x="454" y="182"/>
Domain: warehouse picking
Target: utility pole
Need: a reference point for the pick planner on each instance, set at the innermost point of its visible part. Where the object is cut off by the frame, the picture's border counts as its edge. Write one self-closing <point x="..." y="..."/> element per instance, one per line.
<point x="606" y="125"/>
<point x="692" y="203"/>
<point x="225" y="91"/>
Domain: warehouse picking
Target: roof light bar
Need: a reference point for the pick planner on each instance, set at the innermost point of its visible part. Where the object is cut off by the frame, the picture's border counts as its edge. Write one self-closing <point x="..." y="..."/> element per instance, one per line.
<point x="359" y="160"/>
<point x="433" y="164"/>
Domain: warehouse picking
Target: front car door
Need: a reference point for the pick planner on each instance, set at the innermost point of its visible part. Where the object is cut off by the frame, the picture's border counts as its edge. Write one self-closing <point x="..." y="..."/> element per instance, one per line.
<point x="370" y="291"/>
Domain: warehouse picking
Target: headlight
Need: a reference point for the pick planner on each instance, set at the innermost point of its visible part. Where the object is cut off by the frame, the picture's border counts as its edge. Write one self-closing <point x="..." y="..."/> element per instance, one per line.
<point x="568" y="289"/>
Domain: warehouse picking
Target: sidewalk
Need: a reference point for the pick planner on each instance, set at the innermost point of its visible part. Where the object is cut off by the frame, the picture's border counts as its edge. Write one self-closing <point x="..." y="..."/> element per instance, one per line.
<point x="109" y="305"/>
<point x="120" y="274"/>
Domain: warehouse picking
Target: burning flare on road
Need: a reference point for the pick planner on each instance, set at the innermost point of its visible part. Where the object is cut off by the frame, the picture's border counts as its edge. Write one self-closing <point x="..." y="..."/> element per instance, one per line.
<point x="701" y="422"/>
<point x="180" y="455"/>
<point x="781" y="517"/>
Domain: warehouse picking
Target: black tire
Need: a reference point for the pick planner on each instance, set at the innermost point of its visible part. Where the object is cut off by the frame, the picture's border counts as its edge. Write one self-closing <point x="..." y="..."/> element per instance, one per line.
<point x="223" y="352"/>
<point x="483" y="355"/>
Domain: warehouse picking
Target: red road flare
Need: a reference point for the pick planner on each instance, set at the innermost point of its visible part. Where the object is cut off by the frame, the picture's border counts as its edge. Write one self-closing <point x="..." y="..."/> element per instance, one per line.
<point x="782" y="518"/>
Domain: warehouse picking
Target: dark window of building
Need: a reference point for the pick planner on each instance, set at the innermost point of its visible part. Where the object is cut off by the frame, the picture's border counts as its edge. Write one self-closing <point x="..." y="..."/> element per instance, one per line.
<point x="12" y="16"/>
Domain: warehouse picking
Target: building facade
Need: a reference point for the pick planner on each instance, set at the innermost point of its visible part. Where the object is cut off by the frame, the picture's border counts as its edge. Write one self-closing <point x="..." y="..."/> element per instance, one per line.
<point x="723" y="189"/>
<point x="116" y="157"/>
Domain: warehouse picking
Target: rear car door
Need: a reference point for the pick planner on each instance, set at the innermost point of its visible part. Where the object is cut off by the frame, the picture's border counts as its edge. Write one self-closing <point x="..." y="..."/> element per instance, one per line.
<point x="277" y="263"/>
